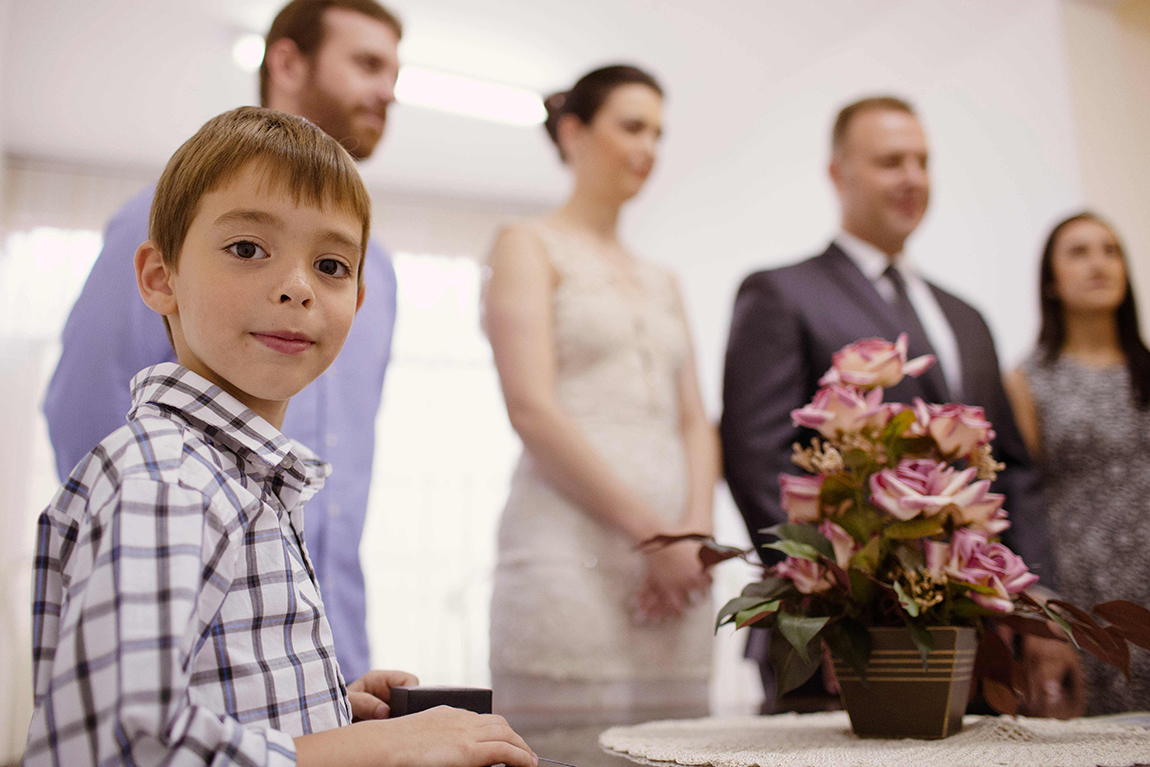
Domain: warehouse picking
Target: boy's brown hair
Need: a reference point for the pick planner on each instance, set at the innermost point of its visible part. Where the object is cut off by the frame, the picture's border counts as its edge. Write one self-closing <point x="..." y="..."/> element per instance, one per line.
<point x="293" y="153"/>
<point x="301" y="21"/>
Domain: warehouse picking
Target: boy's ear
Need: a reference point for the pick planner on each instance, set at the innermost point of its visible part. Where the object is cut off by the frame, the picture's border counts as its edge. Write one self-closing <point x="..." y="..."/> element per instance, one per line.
<point x="359" y="299"/>
<point x="154" y="279"/>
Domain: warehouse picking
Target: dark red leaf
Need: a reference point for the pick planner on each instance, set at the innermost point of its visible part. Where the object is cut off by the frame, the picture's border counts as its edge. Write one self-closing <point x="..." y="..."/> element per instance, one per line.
<point x="1089" y="640"/>
<point x="662" y="541"/>
<point x="1076" y="612"/>
<point x="1122" y="650"/>
<point x="751" y="621"/>
<point x="711" y="553"/>
<point x="1025" y="625"/>
<point x="994" y="661"/>
<point x="1132" y="620"/>
<point x="1107" y="647"/>
<point x="1000" y="697"/>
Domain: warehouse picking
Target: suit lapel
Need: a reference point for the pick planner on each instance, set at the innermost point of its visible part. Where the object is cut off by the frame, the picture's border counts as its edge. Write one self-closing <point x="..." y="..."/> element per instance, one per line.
<point x="844" y="271"/>
<point x="851" y="279"/>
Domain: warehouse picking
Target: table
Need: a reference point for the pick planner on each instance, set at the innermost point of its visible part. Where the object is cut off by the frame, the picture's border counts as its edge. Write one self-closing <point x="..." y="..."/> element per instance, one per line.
<point x="825" y="740"/>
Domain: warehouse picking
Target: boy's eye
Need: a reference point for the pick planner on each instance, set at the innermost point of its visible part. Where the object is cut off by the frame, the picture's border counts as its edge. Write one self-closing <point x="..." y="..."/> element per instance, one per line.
<point x="247" y="250"/>
<point x="332" y="267"/>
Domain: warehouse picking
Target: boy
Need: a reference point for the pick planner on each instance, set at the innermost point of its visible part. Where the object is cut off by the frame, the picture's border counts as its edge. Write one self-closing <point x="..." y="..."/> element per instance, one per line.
<point x="176" y="617"/>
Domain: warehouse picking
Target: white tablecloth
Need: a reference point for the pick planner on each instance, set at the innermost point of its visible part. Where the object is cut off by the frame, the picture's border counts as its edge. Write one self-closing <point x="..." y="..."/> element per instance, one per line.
<point x="825" y="739"/>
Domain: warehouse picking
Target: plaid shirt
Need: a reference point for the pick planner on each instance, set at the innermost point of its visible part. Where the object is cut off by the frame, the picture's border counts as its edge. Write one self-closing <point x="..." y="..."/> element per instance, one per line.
<point x="176" y="616"/>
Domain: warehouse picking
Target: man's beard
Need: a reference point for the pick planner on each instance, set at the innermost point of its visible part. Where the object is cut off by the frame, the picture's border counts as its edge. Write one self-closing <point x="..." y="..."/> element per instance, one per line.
<point x="337" y="121"/>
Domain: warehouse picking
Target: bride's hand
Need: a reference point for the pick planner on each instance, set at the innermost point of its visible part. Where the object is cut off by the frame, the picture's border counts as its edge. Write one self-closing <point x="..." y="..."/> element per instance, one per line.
<point x="675" y="580"/>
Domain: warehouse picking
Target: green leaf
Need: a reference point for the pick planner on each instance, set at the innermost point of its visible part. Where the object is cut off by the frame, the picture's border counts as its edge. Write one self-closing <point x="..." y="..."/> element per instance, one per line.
<point x="858" y="461"/>
<point x="862" y="522"/>
<point x="867" y="558"/>
<point x="799" y="630"/>
<point x="977" y="588"/>
<point x="790" y="668"/>
<point x="850" y="642"/>
<point x="736" y="605"/>
<point x="862" y="587"/>
<point x="806" y="534"/>
<point x="753" y="615"/>
<point x="768" y="588"/>
<point x="964" y="607"/>
<point x="915" y="528"/>
<point x="836" y="489"/>
<point x="897" y="426"/>
<point x="910" y="557"/>
<point x="1062" y="623"/>
<point x="904" y="599"/>
<point x="795" y="549"/>
<point x="922" y="640"/>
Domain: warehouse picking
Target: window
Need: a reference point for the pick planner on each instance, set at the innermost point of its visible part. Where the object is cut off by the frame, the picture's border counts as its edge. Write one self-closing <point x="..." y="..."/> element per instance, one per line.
<point x="444" y="456"/>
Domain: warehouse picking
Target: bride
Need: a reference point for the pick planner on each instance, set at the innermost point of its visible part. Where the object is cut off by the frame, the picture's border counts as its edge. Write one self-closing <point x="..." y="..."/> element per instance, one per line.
<point x="598" y="372"/>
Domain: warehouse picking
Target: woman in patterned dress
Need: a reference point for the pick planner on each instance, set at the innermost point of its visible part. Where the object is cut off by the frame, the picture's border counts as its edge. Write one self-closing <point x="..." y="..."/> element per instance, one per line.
<point x="597" y="369"/>
<point x="1083" y="406"/>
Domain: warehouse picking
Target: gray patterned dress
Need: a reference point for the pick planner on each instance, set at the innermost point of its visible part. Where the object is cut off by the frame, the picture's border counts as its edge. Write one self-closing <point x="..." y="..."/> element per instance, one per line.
<point x="1095" y="467"/>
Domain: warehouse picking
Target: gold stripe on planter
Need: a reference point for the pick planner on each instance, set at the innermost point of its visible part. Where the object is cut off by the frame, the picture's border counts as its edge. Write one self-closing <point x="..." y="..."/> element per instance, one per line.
<point x="901" y="699"/>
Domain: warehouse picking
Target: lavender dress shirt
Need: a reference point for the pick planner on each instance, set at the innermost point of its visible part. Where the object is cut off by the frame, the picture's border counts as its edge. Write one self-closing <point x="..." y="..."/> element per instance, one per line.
<point x="111" y="335"/>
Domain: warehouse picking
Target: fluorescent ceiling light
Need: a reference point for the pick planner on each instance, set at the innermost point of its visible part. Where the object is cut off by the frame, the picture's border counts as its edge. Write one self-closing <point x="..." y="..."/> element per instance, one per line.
<point x="473" y="98"/>
<point x="248" y="51"/>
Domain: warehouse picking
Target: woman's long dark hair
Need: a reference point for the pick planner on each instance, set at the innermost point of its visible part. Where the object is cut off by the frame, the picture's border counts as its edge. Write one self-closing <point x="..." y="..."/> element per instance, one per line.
<point x="1052" y="334"/>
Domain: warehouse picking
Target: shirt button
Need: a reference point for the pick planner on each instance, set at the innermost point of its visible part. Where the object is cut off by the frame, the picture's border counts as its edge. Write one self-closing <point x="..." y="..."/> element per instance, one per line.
<point x="331" y="439"/>
<point x="333" y="510"/>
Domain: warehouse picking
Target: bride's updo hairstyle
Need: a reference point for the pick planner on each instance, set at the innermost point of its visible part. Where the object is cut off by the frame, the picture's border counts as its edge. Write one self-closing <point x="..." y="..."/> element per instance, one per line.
<point x="589" y="94"/>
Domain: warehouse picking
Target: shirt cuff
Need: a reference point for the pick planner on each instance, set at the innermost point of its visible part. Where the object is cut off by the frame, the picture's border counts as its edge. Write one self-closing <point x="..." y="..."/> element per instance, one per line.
<point x="281" y="749"/>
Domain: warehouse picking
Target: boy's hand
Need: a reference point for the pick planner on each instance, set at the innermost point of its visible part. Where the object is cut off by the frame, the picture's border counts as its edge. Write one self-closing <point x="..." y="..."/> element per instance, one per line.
<point x="438" y="737"/>
<point x="451" y="736"/>
<point x="370" y="694"/>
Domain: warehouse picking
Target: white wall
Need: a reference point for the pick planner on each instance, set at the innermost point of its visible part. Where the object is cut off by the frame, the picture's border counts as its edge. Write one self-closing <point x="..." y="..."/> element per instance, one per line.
<point x="1021" y="101"/>
<point x="742" y="183"/>
<point x="1108" y="50"/>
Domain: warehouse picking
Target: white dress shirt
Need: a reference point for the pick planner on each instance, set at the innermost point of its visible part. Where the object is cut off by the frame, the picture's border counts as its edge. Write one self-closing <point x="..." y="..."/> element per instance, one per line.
<point x="872" y="262"/>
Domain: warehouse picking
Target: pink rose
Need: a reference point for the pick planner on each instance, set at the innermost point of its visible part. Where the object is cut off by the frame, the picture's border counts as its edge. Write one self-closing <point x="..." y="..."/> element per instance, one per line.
<point x="844" y="545"/>
<point x="956" y="429"/>
<point x="800" y="497"/>
<point x="985" y="514"/>
<point x="923" y="486"/>
<point x="809" y="577"/>
<point x="971" y="557"/>
<point x="874" y="362"/>
<point x="937" y="557"/>
<point x="841" y="409"/>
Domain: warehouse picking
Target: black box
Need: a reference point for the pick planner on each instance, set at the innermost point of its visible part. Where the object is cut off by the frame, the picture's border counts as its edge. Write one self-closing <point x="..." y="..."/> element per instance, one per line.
<point x="410" y="700"/>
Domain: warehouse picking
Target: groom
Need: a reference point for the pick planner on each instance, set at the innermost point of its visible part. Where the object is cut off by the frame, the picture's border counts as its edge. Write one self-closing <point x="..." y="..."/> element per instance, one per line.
<point x="788" y="322"/>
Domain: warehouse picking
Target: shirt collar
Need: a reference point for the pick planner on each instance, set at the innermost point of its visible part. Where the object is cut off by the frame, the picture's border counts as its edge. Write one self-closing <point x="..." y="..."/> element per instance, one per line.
<point x="228" y="422"/>
<point x="871" y="261"/>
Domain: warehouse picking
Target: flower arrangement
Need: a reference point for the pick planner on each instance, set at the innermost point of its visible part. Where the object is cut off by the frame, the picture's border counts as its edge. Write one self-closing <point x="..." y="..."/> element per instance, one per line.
<point x="895" y="525"/>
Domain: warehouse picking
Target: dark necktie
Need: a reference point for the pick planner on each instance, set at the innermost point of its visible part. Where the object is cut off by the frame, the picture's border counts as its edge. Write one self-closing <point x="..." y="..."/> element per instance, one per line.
<point x="907" y="316"/>
<point x="908" y="319"/>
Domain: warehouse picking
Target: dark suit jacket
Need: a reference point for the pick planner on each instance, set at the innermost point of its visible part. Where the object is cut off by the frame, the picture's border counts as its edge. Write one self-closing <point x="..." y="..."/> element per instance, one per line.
<point x="787" y="323"/>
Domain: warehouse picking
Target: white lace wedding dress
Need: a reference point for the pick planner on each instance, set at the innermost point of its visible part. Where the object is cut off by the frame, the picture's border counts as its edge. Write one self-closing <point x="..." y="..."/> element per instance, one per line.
<point x="564" y="647"/>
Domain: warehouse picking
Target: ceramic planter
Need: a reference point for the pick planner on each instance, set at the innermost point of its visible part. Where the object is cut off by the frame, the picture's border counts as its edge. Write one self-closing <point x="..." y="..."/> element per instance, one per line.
<point x="900" y="698"/>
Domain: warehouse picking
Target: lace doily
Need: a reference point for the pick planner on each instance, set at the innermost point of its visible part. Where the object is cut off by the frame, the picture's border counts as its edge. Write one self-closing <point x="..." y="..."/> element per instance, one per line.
<point x="815" y="740"/>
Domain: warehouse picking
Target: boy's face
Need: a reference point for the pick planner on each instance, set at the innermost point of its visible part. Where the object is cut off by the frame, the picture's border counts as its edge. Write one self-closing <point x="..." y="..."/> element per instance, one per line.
<point x="264" y="291"/>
